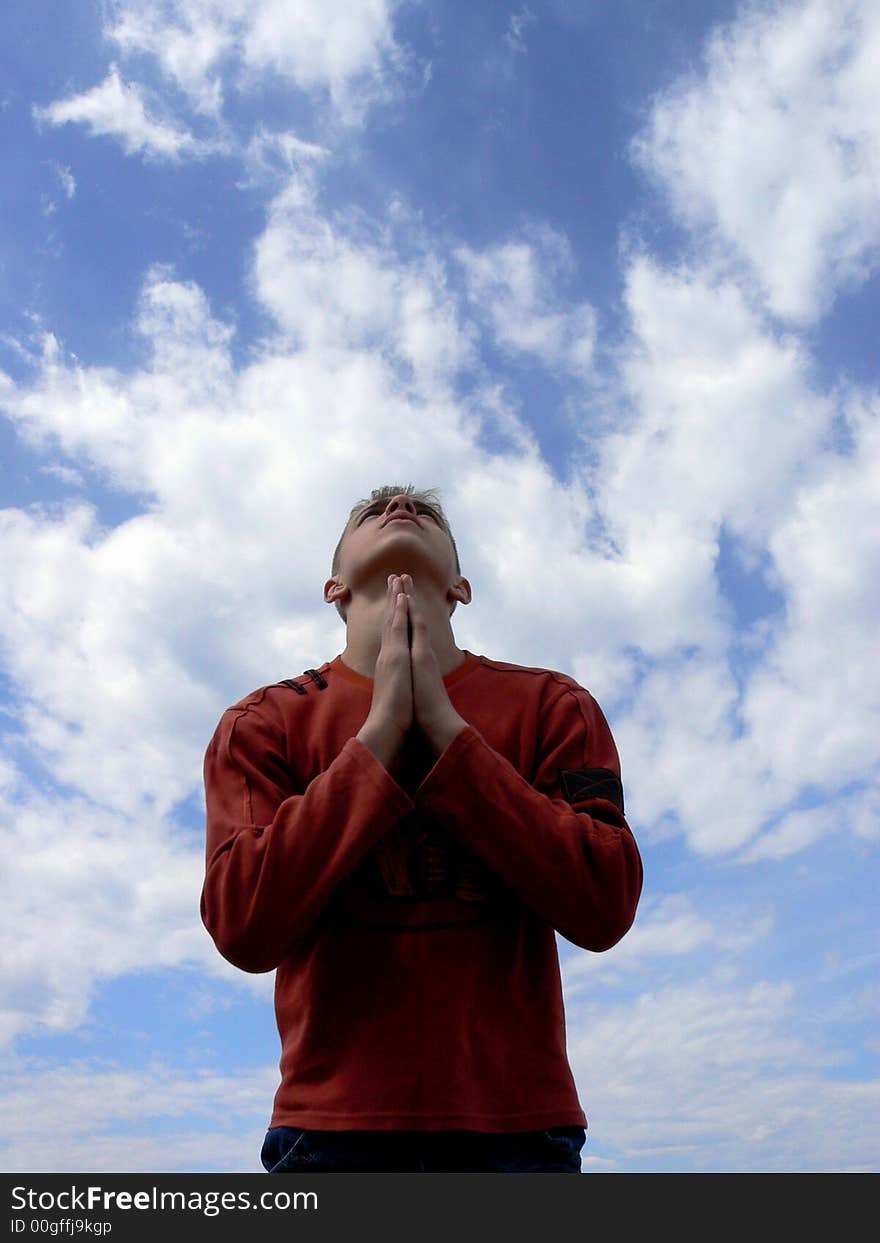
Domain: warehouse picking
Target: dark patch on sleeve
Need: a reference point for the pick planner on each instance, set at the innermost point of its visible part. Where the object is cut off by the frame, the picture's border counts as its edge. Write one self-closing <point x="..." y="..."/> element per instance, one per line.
<point x="580" y="784"/>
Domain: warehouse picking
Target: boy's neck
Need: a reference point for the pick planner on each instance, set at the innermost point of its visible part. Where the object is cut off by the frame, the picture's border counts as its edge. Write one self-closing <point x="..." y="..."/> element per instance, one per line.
<point x="364" y="639"/>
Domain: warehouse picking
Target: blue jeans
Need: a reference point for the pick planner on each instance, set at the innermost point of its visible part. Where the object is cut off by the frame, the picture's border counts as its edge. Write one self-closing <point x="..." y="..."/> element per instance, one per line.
<point x="291" y="1150"/>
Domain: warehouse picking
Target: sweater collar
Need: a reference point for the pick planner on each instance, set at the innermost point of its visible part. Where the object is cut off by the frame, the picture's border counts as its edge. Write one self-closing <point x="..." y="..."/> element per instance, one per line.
<point x="338" y="666"/>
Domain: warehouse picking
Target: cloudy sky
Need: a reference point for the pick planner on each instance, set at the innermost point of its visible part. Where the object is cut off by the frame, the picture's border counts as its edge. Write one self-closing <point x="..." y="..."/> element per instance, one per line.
<point x="607" y="277"/>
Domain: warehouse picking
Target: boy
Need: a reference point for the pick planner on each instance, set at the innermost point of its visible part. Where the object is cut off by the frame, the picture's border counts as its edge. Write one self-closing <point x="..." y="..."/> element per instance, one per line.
<point x="399" y="833"/>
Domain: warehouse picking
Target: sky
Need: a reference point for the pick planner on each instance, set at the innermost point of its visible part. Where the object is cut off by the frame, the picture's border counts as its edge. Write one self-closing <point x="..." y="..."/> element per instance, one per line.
<point x="606" y="276"/>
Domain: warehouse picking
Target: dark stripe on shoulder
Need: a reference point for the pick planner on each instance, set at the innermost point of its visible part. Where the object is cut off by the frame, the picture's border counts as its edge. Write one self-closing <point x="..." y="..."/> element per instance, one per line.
<point x="297" y="685"/>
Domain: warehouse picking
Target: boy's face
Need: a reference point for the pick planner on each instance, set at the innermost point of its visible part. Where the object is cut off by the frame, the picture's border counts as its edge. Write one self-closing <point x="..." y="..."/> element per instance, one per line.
<point x="397" y="536"/>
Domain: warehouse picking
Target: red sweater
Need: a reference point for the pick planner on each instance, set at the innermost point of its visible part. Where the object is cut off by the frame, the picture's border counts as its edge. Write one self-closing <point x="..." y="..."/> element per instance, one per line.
<point x="411" y="918"/>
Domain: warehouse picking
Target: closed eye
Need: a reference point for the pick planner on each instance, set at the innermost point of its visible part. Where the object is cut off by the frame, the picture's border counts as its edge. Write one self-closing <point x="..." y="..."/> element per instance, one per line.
<point x="372" y="510"/>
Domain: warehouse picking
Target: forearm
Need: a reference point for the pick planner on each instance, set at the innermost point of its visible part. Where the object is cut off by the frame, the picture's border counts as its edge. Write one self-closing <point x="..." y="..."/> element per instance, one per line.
<point x="441" y="733"/>
<point x="580" y="873"/>
<point x="266" y="886"/>
<point x="382" y="742"/>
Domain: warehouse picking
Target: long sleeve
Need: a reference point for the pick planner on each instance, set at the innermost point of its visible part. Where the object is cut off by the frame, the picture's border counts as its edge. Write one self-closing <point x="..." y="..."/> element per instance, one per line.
<point x="561" y="843"/>
<point x="275" y="854"/>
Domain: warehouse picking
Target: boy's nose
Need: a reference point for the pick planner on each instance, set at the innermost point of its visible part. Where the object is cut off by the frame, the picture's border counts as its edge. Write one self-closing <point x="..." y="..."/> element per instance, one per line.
<point x="401" y="501"/>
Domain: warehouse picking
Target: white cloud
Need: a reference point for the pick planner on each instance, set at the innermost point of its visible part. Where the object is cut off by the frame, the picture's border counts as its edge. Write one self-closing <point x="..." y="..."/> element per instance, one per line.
<point x="797" y="830"/>
<point x="117" y="109"/>
<point x="820" y="672"/>
<point x="516" y="27"/>
<point x="515" y="286"/>
<point x="714" y="1077"/>
<point x="190" y="40"/>
<point x="67" y="179"/>
<point x="93" y="892"/>
<point x="87" y="1116"/>
<point x="338" y="46"/>
<point x="720" y="426"/>
<point x="80" y="615"/>
<point x="724" y="424"/>
<point x="280" y="155"/>
<point x="667" y="927"/>
<point x="684" y="757"/>
<point x="340" y="284"/>
<point x="333" y="49"/>
<point x="134" y="672"/>
<point x="77" y="869"/>
<point x="775" y="147"/>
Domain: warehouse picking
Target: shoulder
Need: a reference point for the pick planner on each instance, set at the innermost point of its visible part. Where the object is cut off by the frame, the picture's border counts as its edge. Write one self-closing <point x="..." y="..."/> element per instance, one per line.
<point x="556" y="698"/>
<point x="549" y="682"/>
<point x="282" y="690"/>
<point x="272" y="703"/>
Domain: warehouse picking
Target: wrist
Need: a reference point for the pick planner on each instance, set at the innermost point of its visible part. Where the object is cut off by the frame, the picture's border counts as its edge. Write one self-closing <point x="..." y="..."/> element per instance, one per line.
<point x="441" y="734"/>
<point x="384" y="743"/>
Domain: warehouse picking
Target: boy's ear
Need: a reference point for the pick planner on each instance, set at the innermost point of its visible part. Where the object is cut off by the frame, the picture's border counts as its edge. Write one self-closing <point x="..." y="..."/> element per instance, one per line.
<point x="461" y="591"/>
<point x="334" y="591"/>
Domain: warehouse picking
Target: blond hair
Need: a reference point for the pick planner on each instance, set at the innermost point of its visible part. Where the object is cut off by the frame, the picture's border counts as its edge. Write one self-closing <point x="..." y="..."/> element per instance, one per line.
<point x="423" y="496"/>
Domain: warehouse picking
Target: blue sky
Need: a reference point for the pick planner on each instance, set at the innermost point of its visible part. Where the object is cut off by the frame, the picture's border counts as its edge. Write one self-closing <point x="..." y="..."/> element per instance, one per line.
<point x="604" y="275"/>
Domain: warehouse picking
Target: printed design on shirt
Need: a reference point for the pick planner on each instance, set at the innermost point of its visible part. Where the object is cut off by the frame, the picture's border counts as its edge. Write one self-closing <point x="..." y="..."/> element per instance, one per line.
<point x="420" y="861"/>
<point x="580" y="784"/>
<point x="417" y="876"/>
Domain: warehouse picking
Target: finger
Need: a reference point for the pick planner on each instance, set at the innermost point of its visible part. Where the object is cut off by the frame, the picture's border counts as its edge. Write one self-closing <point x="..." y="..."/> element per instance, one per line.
<point x="412" y="606"/>
<point x="400" y="625"/>
<point x="407" y="586"/>
<point x="391" y="598"/>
